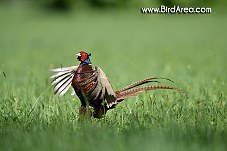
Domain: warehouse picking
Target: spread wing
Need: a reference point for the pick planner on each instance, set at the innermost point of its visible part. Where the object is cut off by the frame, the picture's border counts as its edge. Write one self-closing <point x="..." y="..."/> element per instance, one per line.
<point x="107" y="92"/>
<point x="62" y="79"/>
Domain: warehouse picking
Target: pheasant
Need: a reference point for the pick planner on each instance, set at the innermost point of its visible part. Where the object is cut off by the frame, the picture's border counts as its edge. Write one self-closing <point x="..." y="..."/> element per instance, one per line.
<point x="93" y="88"/>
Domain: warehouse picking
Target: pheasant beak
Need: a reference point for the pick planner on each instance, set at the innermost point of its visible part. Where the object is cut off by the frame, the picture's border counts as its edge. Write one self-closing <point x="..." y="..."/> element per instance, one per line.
<point x="78" y="56"/>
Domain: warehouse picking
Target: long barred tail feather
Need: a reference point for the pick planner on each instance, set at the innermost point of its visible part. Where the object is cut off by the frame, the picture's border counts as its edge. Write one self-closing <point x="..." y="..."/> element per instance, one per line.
<point x="144" y="81"/>
<point x="121" y="95"/>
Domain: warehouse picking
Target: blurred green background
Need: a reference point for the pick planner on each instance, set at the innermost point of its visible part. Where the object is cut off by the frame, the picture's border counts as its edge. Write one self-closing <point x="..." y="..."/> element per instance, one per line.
<point x="190" y="49"/>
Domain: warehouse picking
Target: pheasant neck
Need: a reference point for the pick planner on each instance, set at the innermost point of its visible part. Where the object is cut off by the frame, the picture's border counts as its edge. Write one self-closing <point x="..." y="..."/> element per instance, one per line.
<point x="86" y="62"/>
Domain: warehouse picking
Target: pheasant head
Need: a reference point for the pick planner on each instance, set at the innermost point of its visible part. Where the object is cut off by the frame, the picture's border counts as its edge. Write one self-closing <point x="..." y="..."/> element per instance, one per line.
<point x="83" y="57"/>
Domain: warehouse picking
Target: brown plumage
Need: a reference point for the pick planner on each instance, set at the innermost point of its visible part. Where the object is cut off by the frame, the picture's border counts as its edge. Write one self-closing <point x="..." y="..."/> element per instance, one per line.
<point x="93" y="88"/>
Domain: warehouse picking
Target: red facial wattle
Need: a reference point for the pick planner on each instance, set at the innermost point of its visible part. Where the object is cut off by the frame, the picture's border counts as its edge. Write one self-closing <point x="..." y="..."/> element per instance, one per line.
<point x="83" y="56"/>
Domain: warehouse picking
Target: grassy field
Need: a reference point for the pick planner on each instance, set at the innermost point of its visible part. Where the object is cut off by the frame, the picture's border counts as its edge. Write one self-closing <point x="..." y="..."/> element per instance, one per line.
<point x="189" y="49"/>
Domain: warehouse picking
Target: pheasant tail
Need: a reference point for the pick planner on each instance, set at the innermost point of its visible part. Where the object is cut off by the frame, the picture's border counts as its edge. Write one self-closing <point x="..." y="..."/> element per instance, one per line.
<point x="144" y="81"/>
<point x="121" y="95"/>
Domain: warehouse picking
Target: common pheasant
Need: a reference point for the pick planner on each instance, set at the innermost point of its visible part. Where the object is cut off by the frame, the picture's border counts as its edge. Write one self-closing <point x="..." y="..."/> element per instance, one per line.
<point x="93" y="88"/>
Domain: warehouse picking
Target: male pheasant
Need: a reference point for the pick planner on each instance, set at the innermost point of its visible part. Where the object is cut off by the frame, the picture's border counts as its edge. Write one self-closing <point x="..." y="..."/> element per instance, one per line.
<point x="93" y="88"/>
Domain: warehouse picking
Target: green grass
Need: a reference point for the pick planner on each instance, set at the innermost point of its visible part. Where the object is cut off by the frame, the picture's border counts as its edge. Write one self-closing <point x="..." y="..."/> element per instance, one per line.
<point x="189" y="49"/>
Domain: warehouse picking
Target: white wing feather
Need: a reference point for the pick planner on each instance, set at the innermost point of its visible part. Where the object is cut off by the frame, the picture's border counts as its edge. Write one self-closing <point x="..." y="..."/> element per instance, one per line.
<point x="62" y="79"/>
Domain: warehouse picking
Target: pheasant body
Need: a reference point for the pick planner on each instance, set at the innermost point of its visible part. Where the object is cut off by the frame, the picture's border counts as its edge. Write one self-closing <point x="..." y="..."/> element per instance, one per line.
<point x="93" y="88"/>
<point x="88" y="89"/>
<point x="84" y="81"/>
